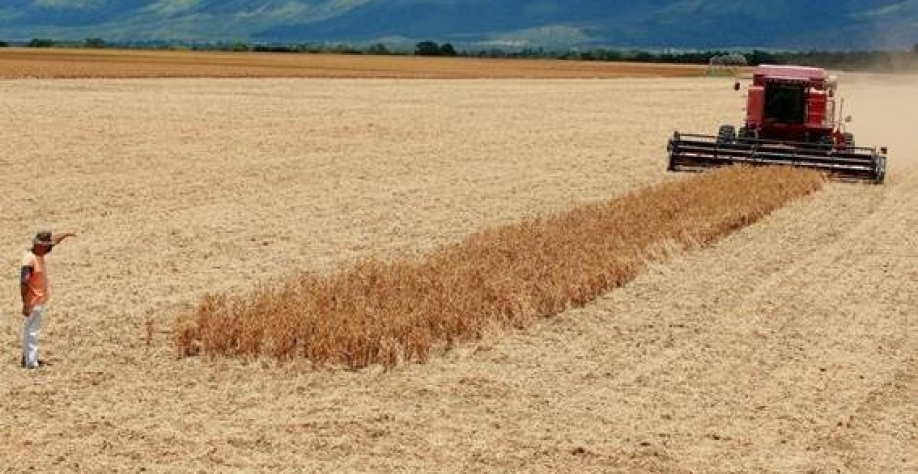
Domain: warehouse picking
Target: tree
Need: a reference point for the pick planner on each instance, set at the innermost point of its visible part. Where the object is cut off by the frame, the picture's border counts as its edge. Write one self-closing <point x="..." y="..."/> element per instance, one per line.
<point x="40" y="43"/>
<point x="94" y="43"/>
<point x="378" y="48"/>
<point x="447" y="50"/>
<point x="345" y="49"/>
<point x="427" y="48"/>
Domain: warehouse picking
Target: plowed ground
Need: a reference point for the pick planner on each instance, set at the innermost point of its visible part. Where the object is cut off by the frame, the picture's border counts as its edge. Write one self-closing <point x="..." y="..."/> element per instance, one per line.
<point x="790" y="346"/>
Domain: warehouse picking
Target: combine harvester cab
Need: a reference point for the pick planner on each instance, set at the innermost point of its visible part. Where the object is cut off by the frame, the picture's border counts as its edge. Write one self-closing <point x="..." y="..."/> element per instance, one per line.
<point x="791" y="121"/>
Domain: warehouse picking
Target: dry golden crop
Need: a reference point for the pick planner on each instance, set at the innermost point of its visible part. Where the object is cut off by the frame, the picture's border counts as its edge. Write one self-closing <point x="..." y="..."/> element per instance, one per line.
<point x="379" y="312"/>
<point x="81" y="63"/>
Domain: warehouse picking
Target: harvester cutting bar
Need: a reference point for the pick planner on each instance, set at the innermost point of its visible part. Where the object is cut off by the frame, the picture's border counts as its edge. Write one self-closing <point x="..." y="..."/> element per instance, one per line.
<point x="689" y="152"/>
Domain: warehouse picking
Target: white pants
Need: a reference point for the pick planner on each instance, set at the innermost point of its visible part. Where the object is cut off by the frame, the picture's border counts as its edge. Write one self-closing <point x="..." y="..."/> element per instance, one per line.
<point x="30" y="337"/>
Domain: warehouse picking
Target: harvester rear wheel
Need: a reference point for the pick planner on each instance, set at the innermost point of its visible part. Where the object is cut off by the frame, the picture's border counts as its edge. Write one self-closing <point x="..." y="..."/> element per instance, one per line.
<point x="848" y="139"/>
<point x="745" y="136"/>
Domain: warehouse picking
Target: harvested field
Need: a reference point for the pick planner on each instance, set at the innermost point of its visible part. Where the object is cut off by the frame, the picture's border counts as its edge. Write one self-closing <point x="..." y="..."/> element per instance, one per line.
<point x="790" y="346"/>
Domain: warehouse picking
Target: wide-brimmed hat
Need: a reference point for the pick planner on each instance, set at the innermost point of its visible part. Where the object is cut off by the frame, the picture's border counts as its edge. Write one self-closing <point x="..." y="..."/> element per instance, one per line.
<point x="43" y="237"/>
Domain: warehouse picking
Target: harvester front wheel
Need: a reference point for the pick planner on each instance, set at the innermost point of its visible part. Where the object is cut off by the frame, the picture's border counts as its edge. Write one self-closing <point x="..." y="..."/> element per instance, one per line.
<point x="726" y="134"/>
<point x="880" y="170"/>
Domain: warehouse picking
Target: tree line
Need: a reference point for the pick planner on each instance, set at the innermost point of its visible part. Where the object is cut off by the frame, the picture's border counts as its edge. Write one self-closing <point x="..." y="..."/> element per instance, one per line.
<point x="869" y="60"/>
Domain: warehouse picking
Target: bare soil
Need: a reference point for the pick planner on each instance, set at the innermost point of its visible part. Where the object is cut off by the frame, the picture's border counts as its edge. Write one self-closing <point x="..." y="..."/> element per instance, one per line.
<point x="790" y="346"/>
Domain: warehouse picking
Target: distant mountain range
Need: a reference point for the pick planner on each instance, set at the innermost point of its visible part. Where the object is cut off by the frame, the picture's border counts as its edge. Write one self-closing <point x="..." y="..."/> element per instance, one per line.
<point x="678" y="24"/>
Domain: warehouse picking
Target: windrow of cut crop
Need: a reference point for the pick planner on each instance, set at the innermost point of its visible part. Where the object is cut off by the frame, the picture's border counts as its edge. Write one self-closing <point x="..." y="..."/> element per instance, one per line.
<point x="386" y="312"/>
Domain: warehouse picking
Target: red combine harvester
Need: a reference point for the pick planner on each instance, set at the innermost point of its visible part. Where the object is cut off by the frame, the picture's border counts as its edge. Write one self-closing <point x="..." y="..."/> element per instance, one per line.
<point x="790" y="120"/>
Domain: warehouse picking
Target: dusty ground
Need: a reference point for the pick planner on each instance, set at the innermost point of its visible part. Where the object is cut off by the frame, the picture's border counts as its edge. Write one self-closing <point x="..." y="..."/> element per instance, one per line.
<point x="790" y="346"/>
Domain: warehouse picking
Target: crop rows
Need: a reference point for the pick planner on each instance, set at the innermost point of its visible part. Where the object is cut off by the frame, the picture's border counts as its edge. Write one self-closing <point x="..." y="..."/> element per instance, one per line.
<point x="387" y="312"/>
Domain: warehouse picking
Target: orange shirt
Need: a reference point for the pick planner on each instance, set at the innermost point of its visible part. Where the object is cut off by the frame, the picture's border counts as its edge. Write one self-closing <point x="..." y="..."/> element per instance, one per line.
<point x="38" y="289"/>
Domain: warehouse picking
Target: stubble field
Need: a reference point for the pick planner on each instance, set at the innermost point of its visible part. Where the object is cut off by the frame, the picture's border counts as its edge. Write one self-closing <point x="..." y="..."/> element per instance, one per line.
<point x="789" y="346"/>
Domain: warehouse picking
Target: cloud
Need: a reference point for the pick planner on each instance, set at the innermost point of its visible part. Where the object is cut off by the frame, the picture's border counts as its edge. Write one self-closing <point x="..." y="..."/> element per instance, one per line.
<point x="69" y="4"/>
<point x="172" y="7"/>
<point x="197" y="19"/>
<point x="888" y="10"/>
<point x="310" y="11"/>
<point x="254" y="11"/>
<point x="551" y="35"/>
<point x="10" y="14"/>
<point x="268" y="11"/>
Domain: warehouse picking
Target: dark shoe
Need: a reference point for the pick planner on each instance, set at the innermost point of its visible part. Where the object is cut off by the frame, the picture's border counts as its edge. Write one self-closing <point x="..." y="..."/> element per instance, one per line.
<point x="41" y="363"/>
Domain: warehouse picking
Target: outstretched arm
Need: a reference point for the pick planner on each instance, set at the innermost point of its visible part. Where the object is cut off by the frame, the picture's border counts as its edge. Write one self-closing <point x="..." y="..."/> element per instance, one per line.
<point x="57" y="238"/>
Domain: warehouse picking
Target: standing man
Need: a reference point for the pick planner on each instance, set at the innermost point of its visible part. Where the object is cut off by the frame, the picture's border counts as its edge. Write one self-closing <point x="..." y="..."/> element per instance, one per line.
<point x="36" y="291"/>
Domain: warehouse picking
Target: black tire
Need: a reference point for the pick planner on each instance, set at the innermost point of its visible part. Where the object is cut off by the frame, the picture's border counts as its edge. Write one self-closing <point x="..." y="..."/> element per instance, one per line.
<point x="746" y="137"/>
<point x="671" y="148"/>
<point x="849" y="140"/>
<point x="880" y="170"/>
<point x="726" y="134"/>
<point x="827" y="143"/>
